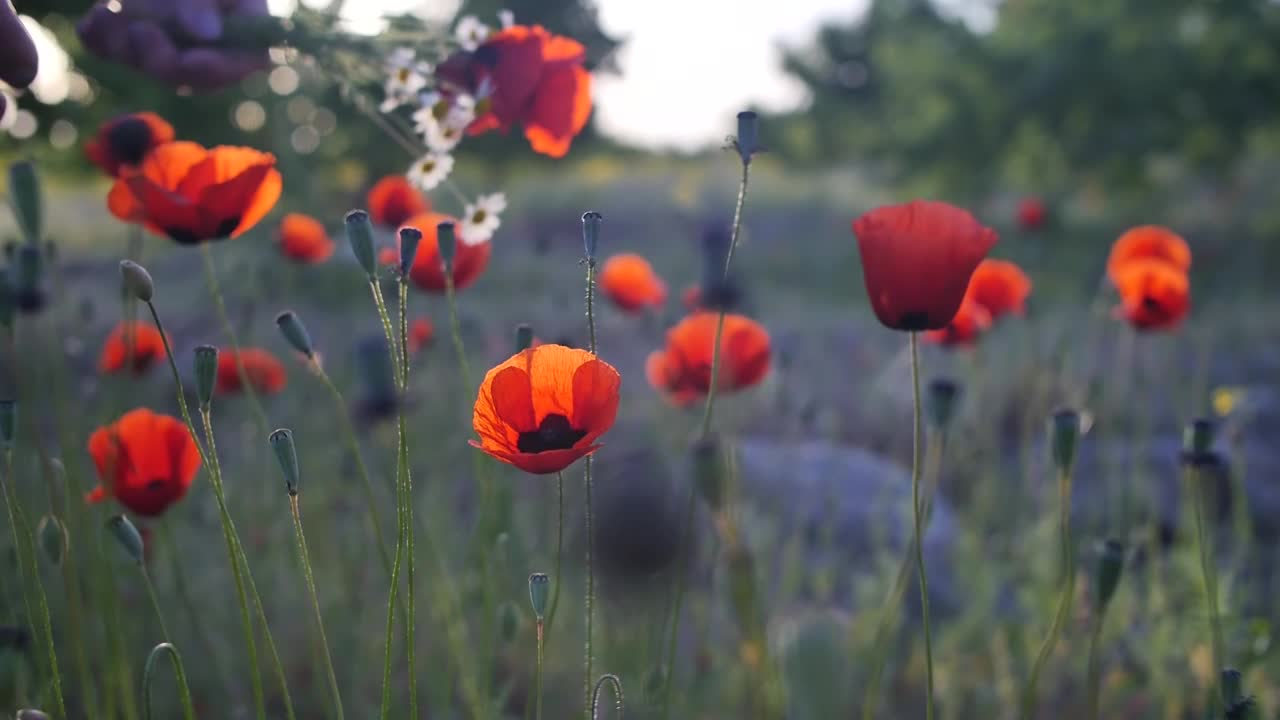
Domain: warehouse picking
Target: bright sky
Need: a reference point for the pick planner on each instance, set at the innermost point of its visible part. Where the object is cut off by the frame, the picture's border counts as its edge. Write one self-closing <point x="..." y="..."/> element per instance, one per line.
<point x="688" y="66"/>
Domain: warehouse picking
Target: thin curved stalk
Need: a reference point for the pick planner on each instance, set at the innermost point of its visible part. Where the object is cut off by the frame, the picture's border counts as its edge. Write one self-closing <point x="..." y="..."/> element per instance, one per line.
<point x="304" y="557"/>
<point x="1064" y="602"/>
<point x="917" y="433"/>
<point x="403" y="462"/>
<point x="556" y="579"/>
<point x="155" y="601"/>
<point x="589" y="595"/>
<point x="616" y="685"/>
<point x="148" y="671"/>
<point x="1094" y="671"/>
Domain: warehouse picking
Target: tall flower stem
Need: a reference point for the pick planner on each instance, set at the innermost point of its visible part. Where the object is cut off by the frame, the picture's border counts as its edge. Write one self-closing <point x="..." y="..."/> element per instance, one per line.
<point x="1094" y="671"/>
<point x="148" y="672"/>
<point x="1064" y="602"/>
<point x="537" y="669"/>
<point x="704" y="429"/>
<point x="1205" y="550"/>
<point x="403" y="462"/>
<point x="917" y="511"/>
<point x="155" y="601"/>
<point x="556" y="578"/>
<point x="304" y="557"/>
<point x="215" y="289"/>
<point x="589" y="593"/>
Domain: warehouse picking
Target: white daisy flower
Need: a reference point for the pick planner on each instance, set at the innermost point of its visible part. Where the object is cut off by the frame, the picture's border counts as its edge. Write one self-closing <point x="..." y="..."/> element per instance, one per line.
<point x="506" y="18"/>
<point x="443" y="125"/>
<point x="471" y="32"/>
<point x="406" y="77"/>
<point x="482" y="218"/>
<point x="430" y="170"/>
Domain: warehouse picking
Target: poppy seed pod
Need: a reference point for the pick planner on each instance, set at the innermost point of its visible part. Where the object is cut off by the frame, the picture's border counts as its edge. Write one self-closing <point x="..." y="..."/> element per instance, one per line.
<point x="941" y="401"/>
<point x="360" y="235"/>
<point x="447" y="246"/>
<point x="128" y="536"/>
<point x="206" y="373"/>
<point x="8" y="422"/>
<point x="1232" y="685"/>
<point x="409" y="239"/>
<point x="1110" y="567"/>
<point x="295" y="333"/>
<point x="24" y="189"/>
<point x="524" y="336"/>
<point x="28" y="271"/>
<point x="591" y="222"/>
<point x="1064" y="431"/>
<point x="709" y="470"/>
<point x="1197" y="441"/>
<point x="539" y="590"/>
<point x="282" y="443"/>
<point x="53" y="539"/>
<point x="136" y="280"/>
<point x="748" y="140"/>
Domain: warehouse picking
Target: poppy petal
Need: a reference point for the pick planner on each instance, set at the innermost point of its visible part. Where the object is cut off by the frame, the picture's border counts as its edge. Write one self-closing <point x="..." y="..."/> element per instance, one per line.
<point x="595" y="399"/>
<point x="512" y="398"/>
<point x="559" y="111"/>
<point x="541" y="463"/>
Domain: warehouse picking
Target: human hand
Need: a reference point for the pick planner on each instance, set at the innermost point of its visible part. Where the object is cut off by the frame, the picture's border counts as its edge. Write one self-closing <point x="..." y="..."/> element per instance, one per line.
<point x="174" y="41"/>
<point x="17" y="51"/>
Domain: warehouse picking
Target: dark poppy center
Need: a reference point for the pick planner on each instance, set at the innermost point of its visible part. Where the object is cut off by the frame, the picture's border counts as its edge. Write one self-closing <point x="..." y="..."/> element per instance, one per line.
<point x="486" y="55"/>
<point x="129" y="140"/>
<point x="914" y="321"/>
<point x="1150" y="304"/>
<point x="156" y="485"/>
<point x="554" y="433"/>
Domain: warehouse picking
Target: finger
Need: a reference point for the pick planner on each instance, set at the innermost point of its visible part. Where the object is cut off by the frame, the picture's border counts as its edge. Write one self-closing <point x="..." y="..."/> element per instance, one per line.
<point x="18" y="59"/>
<point x="153" y="52"/>
<point x="200" y="19"/>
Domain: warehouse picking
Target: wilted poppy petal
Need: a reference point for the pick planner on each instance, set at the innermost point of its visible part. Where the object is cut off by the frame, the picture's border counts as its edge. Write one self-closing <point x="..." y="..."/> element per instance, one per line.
<point x="559" y="111"/>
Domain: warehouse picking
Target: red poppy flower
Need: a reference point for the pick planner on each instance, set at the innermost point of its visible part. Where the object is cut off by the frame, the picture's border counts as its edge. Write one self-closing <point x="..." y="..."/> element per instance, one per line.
<point x="630" y="282"/>
<point x="545" y="407"/>
<point x="124" y="141"/>
<point x="1032" y="213"/>
<point x="1154" y="295"/>
<point x="147" y="348"/>
<point x="264" y="371"/>
<point x="194" y="195"/>
<point x="971" y="320"/>
<point x="1148" y="242"/>
<point x="393" y="200"/>
<point x="691" y="298"/>
<point x="683" y="370"/>
<point x="427" y="271"/>
<point x="145" y="460"/>
<point x="1000" y="287"/>
<point x="536" y="79"/>
<point x="917" y="259"/>
<point x="302" y="238"/>
<point x="421" y="332"/>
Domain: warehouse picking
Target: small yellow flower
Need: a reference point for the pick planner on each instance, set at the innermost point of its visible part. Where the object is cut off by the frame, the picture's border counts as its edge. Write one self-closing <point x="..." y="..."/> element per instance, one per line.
<point x="1226" y="400"/>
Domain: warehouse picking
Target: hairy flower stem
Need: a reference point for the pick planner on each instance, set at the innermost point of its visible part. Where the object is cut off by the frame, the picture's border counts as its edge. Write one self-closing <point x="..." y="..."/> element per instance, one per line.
<point x="917" y="443"/>
<point x="556" y="578"/>
<point x="148" y="672"/>
<point x="155" y="601"/>
<point x="403" y="462"/>
<point x="211" y="277"/>
<point x="537" y="671"/>
<point x="1064" y="602"/>
<point x="1094" y="671"/>
<point x="589" y="595"/>
<point x="305" y="559"/>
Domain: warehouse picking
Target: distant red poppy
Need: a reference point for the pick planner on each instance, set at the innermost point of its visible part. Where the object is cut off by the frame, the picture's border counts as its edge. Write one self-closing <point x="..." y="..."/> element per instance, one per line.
<point x="194" y="195"/>
<point x="303" y="239"/>
<point x="1032" y="213"/>
<point x="1000" y="287"/>
<point x="971" y="320"/>
<point x="125" y="140"/>
<point x="393" y="200"/>
<point x="545" y="407"/>
<point x="682" y="370"/>
<point x="1148" y="242"/>
<point x="691" y="298"/>
<point x="917" y="259"/>
<point x="144" y="460"/>
<point x="1154" y="295"/>
<point x="536" y="79"/>
<point x="427" y="272"/>
<point x="264" y="371"/>
<point x="147" y="348"/>
<point x="630" y="282"/>
<point x="421" y="333"/>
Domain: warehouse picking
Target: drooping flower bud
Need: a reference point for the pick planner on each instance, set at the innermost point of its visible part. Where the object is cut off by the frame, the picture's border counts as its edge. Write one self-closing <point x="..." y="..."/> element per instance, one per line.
<point x="409" y="239"/>
<point x="447" y="246"/>
<point x="748" y="139"/>
<point x="941" y="401"/>
<point x="709" y="470"/>
<point x="128" y="536"/>
<point x="524" y="337"/>
<point x="591" y="223"/>
<point x="1110" y="567"/>
<point x="1064" y="431"/>
<point x="136" y="280"/>
<point x="295" y="333"/>
<point x="24" y="189"/>
<point x="360" y="235"/>
<point x="287" y="455"/>
<point x="206" y="373"/>
<point x="53" y="538"/>
<point x="539" y="591"/>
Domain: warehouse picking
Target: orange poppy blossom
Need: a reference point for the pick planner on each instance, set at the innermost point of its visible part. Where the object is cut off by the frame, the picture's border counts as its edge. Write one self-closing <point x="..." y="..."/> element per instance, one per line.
<point x="682" y="371"/>
<point x="421" y="332"/>
<point x="393" y="200"/>
<point x="1148" y="242"/>
<point x="125" y="140"/>
<point x="630" y="282"/>
<point x="917" y="259"/>
<point x="999" y="286"/>
<point x="263" y="370"/>
<point x="194" y="195"/>
<point x="1154" y="295"/>
<point x="536" y="79"/>
<point x="971" y="320"/>
<point x="148" y="347"/>
<point x="144" y="460"/>
<point x="427" y="271"/>
<point x="545" y="407"/>
<point x="303" y="239"/>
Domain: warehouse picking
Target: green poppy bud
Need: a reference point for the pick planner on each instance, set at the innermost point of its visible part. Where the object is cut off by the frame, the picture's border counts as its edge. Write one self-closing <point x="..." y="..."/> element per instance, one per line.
<point x="1064" y="431"/>
<point x="206" y="373"/>
<point x="128" y="536"/>
<point x="295" y="333"/>
<point x="1197" y="441"/>
<point x="287" y="455"/>
<point x="360" y="235"/>
<point x="409" y="239"/>
<point x="539" y="591"/>
<point x="1110" y="567"/>
<point x="53" y="538"/>
<point x="591" y="222"/>
<point x="136" y="280"/>
<point x="446" y="245"/>
<point x="748" y="139"/>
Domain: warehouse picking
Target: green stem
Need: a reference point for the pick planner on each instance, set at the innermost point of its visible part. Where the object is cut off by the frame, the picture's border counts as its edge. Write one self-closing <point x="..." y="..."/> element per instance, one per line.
<point x="211" y="277"/>
<point x="305" y="558"/>
<point x="184" y="693"/>
<point x="155" y="601"/>
<point x="917" y="517"/>
<point x="589" y="596"/>
<point x="673" y="624"/>
<point x="1064" y="603"/>
<point x="537" y="673"/>
<point x="403" y="462"/>
<point x="1094" y="691"/>
<point x="385" y="318"/>
<point x="556" y="578"/>
<point x="1205" y="549"/>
